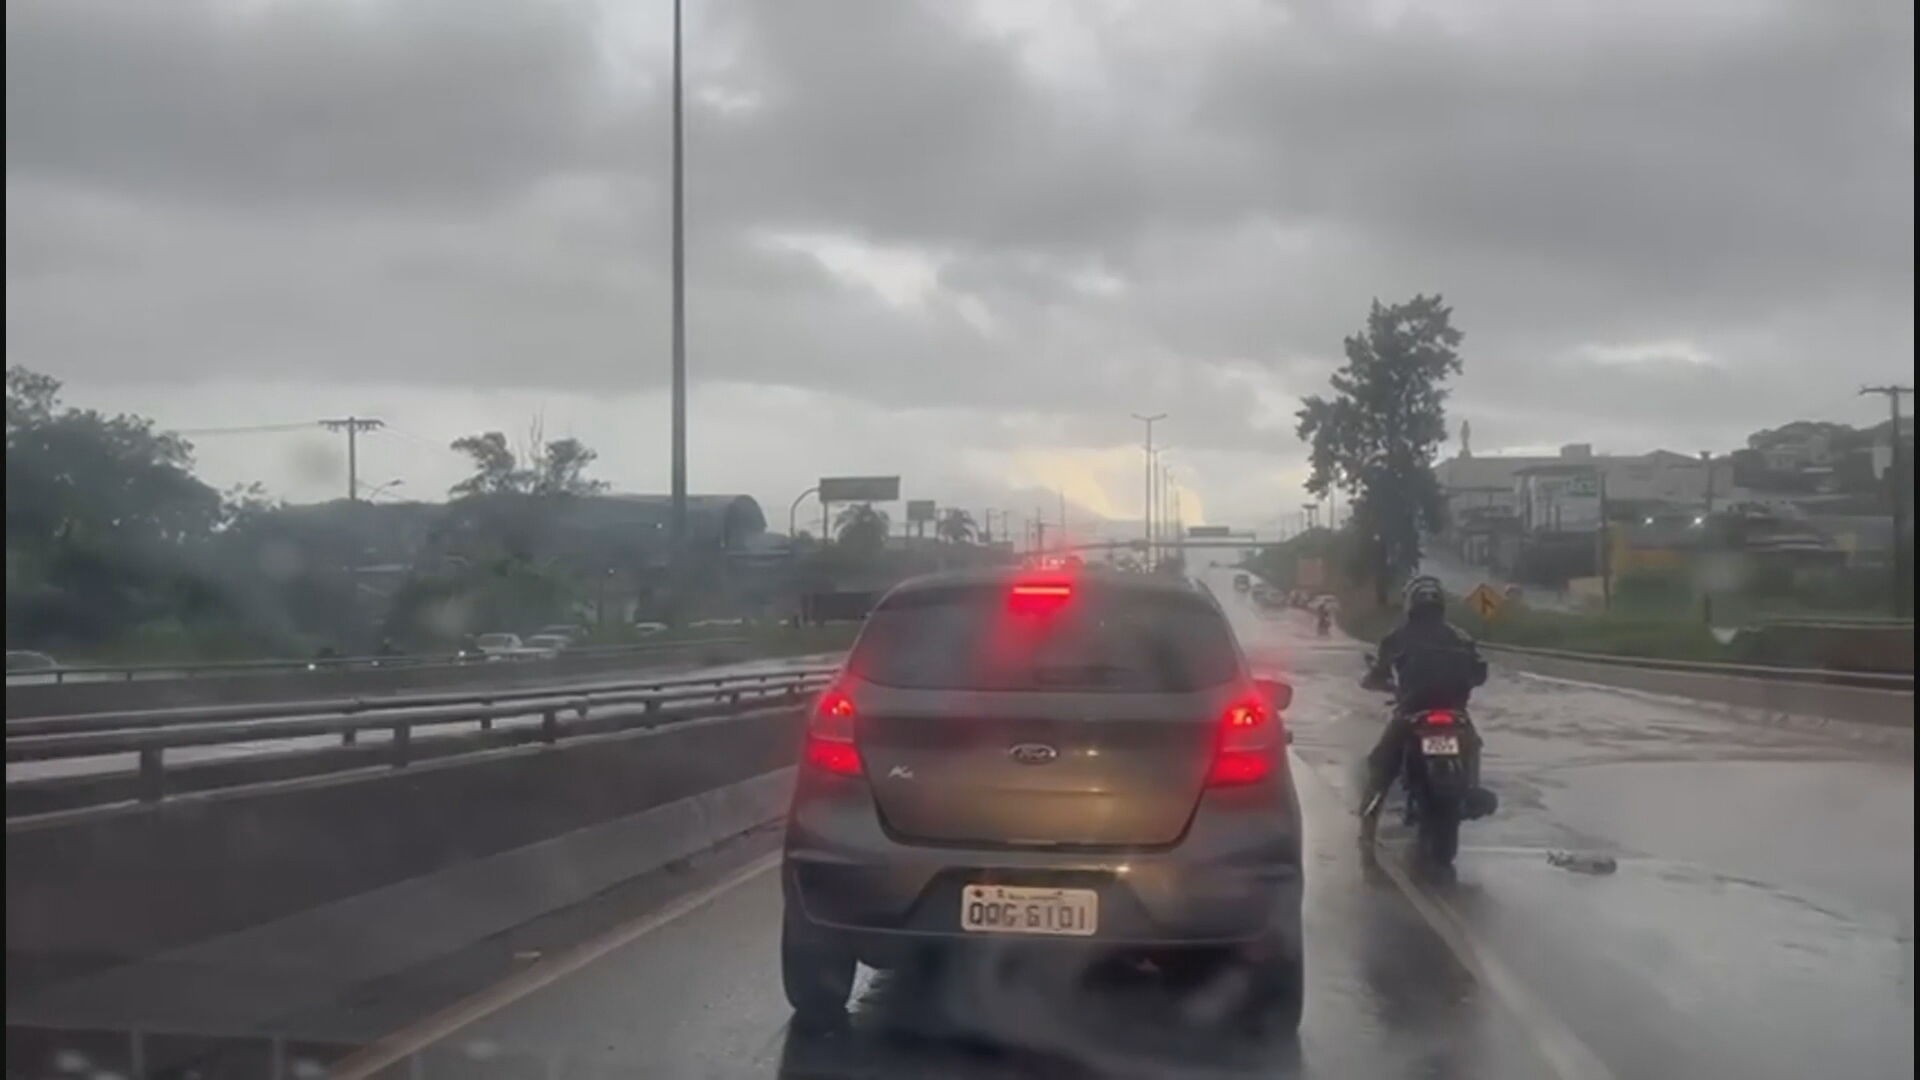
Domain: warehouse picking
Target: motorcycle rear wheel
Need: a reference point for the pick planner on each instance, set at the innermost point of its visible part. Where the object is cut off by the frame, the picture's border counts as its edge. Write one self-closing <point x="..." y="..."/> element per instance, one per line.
<point x="1439" y="838"/>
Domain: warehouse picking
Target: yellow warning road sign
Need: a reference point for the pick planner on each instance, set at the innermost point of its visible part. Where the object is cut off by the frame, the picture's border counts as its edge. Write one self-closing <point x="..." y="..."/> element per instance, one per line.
<point x="1485" y="601"/>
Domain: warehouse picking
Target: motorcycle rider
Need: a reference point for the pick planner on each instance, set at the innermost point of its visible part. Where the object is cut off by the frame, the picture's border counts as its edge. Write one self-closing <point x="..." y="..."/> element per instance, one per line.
<point x="1429" y="664"/>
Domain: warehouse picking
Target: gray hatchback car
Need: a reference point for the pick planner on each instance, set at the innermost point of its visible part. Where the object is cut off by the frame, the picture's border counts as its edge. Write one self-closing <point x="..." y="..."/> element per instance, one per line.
<point x="1076" y="758"/>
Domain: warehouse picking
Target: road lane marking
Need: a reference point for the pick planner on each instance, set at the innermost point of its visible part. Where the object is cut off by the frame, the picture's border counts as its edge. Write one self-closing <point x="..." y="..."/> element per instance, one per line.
<point x="1564" y="1052"/>
<point x="400" y="1045"/>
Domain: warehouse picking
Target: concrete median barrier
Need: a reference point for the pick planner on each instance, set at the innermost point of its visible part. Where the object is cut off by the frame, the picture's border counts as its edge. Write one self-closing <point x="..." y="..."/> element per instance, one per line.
<point x="352" y="864"/>
<point x="1767" y="697"/>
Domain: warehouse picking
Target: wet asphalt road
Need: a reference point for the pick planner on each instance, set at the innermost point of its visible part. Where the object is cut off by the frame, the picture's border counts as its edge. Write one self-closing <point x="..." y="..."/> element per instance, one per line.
<point x="1759" y="924"/>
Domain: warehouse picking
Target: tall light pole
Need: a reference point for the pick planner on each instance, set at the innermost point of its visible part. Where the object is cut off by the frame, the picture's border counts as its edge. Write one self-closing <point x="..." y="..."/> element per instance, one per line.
<point x="1899" y="493"/>
<point x="677" y="521"/>
<point x="1148" y="515"/>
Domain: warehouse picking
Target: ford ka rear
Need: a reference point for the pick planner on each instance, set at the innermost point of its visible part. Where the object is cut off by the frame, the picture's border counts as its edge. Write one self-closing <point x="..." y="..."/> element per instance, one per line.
<point x="1074" y="760"/>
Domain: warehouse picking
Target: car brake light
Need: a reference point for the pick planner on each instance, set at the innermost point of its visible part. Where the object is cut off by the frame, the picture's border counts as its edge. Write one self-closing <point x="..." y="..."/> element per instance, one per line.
<point x="1244" y="754"/>
<point x="830" y="745"/>
<point x="1038" y="597"/>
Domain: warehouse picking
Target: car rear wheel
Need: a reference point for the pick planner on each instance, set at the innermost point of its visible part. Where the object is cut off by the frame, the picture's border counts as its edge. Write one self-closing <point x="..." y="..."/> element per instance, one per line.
<point x="816" y="968"/>
<point x="1265" y="986"/>
<point x="1276" y="996"/>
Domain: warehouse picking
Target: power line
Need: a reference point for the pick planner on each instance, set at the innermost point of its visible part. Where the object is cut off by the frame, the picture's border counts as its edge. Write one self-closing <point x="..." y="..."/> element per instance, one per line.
<point x="250" y="429"/>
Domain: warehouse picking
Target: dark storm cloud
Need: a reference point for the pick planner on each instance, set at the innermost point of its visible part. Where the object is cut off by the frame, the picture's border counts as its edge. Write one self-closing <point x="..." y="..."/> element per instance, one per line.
<point x="427" y="101"/>
<point x="472" y="191"/>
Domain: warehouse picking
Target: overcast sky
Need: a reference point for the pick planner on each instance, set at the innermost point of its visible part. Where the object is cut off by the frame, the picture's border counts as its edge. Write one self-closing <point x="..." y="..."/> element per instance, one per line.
<point x="960" y="242"/>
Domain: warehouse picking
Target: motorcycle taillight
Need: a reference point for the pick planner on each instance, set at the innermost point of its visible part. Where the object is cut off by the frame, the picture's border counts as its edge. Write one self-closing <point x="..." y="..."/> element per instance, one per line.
<point x="1439" y="718"/>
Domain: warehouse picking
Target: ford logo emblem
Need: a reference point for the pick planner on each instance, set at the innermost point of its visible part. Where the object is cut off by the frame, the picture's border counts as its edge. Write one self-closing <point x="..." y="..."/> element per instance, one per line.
<point x="1032" y="753"/>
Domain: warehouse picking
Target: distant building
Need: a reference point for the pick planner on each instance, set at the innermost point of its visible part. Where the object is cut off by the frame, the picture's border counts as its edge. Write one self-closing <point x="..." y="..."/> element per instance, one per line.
<point x="1544" y="493"/>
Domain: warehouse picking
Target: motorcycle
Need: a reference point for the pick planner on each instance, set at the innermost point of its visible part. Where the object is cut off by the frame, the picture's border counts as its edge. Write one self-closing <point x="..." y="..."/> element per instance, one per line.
<point x="1440" y="773"/>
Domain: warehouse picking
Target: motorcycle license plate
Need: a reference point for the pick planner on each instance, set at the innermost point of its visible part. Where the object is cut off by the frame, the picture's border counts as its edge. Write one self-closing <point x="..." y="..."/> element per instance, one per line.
<point x="1440" y="745"/>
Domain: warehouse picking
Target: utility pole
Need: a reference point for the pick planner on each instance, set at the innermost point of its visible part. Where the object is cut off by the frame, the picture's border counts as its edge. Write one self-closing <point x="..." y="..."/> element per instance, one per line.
<point x="1898" y="493"/>
<point x="1148" y="515"/>
<point x="353" y="426"/>
<point x="677" y="521"/>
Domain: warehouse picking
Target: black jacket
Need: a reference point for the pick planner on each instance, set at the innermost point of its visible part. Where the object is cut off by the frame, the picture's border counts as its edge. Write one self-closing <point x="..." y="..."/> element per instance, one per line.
<point x="1430" y="664"/>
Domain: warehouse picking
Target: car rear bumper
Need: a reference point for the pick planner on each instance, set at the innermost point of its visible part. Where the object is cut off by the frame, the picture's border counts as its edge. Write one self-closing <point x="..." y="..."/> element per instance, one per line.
<point x="1234" y="878"/>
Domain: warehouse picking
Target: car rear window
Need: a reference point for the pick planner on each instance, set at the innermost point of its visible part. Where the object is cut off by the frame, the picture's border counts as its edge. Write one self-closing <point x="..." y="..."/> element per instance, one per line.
<point x="970" y="637"/>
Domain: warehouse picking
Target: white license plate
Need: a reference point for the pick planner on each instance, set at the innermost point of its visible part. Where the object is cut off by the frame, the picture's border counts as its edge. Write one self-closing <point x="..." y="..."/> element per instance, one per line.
<point x="1440" y="745"/>
<point x="1017" y="909"/>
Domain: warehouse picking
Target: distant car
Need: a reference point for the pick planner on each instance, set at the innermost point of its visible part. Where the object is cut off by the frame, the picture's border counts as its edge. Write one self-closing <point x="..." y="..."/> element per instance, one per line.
<point x="1242" y="583"/>
<point x="570" y="631"/>
<point x="500" y="646"/>
<point x="648" y="629"/>
<point x="707" y="624"/>
<point x="547" y="646"/>
<point x="1080" y="762"/>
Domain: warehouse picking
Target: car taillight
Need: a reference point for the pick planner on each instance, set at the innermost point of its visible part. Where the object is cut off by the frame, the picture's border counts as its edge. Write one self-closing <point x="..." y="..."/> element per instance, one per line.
<point x="830" y="745"/>
<point x="1247" y="742"/>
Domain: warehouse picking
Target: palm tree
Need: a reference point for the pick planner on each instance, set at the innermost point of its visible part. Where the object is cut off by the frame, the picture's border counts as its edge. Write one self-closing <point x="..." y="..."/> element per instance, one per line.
<point x="956" y="527"/>
<point x="861" y="526"/>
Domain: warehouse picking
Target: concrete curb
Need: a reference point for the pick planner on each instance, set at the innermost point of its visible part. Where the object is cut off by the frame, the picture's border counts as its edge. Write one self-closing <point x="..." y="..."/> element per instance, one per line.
<point x="306" y="960"/>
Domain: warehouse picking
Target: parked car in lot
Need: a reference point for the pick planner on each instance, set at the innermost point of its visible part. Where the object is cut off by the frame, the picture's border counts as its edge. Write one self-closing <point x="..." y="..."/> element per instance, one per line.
<point x="1080" y="761"/>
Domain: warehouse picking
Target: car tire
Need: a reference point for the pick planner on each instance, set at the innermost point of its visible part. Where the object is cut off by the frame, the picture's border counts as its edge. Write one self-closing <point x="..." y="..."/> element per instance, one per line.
<point x="816" y="969"/>
<point x="1276" y="994"/>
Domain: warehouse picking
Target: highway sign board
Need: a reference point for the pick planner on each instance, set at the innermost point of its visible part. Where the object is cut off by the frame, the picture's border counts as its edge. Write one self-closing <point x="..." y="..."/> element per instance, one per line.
<point x="1207" y="530"/>
<point x="846" y="489"/>
<point x="1485" y="601"/>
<point x="919" y="510"/>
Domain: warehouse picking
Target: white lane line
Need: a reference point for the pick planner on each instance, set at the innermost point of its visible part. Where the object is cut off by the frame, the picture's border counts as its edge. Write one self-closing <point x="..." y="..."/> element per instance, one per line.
<point x="1564" y="1052"/>
<point x="410" y="1040"/>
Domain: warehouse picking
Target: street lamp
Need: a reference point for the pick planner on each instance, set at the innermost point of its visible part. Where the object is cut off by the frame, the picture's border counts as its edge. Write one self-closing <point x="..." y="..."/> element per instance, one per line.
<point x="1148" y="515"/>
<point x="793" y="519"/>
<point x="677" y="519"/>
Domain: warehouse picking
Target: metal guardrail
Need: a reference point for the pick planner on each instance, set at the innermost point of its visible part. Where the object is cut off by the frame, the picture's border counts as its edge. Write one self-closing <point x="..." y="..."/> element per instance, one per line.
<point x="559" y="714"/>
<point x="131" y="672"/>
<point x="1861" y="680"/>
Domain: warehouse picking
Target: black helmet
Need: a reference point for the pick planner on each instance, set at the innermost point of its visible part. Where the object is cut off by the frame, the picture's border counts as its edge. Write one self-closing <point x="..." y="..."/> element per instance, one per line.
<point x="1424" y="593"/>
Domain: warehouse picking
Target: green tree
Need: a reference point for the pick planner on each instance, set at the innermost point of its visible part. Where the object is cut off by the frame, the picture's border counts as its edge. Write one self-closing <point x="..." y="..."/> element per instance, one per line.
<point x="555" y="468"/>
<point x="496" y="471"/>
<point x="1376" y="436"/>
<point x="956" y="527"/>
<point x="107" y="525"/>
<point x="861" y="527"/>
